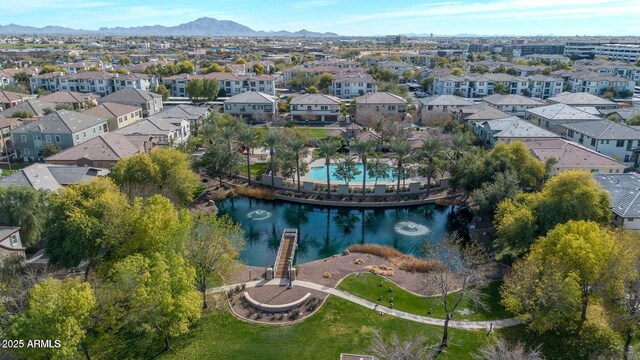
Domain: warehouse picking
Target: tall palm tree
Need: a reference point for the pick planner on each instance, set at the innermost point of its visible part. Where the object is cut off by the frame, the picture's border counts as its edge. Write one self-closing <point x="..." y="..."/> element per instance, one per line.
<point x="364" y="149"/>
<point x="297" y="146"/>
<point x="432" y="148"/>
<point x="402" y="153"/>
<point x="459" y="144"/>
<point x="328" y="148"/>
<point x="228" y="135"/>
<point x="248" y="137"/>
<point x="272" y="140"/>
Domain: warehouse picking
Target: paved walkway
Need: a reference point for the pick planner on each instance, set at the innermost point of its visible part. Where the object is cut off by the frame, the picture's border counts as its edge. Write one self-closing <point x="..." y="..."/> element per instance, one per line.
<point x="469" y="325"/>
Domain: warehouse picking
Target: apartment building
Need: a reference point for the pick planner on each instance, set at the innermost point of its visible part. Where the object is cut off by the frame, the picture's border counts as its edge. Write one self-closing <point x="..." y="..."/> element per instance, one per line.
<point x="622" y="52"/>
<point x="351" y="85"/>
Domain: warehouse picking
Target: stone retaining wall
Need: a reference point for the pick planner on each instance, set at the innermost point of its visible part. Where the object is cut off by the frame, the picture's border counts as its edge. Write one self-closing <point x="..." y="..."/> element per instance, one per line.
<point x="276" y="308"/>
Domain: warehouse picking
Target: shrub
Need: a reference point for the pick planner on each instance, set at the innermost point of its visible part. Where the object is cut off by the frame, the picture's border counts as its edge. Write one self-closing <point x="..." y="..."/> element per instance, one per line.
<point x="403" y="262"/>
<point x="358" y="261"/>
<point x="294" y="315"/>
<point x="382" y="270"/>
<point x="326" y="275"/>
<point x="385" y="252"/>
<point x="256" y="193"/>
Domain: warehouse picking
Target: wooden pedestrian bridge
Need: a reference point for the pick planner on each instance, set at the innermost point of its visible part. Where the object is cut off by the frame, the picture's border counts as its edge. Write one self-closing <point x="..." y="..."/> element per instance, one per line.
<point x="283" y="266"/>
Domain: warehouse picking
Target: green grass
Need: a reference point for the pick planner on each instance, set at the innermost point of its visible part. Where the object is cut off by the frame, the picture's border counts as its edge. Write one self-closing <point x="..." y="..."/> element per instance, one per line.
<point x="367" y="286"/>
<point x="4" y="168"/>
<point x="256" y="169"/>
<point x="317" y="133"/>
<point x="339" y="326"/>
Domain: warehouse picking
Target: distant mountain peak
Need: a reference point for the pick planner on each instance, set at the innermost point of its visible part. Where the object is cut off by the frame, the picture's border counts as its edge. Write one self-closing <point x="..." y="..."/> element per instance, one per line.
<point x="204" y="26"/>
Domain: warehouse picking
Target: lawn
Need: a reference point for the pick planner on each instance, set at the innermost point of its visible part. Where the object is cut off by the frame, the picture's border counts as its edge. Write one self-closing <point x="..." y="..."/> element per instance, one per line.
<point x="317" y="133"/>
<point x="367" y="286"/>
<point x="256" y="169"/>
<point x="4" y="168"/>
<point x="339" y="326"/>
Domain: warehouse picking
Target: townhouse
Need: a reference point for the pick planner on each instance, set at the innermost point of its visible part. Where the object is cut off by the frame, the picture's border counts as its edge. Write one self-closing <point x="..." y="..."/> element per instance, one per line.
<point x="398" y="67"/>
<point x="6" y="126"/>
<point x="443" y="103"/>
<point x="9" y="99"/>
<point x="471" y="115"/>
<point x="512" y="104"/>
<point x="10" y="243"/>
<point x="582" y="100"/>
<point x="315" y="107"/>
<point x="36" y="108"/>
<point x="610" y="68"/>
<point x="571" y="156"/>
<point x="510" y="129"/>
<point x="553" y="116"/>
<point x="52" y="177"/>
<point x="195" y="115"/>
<point x="252" y="105"/>
<point x="543" y="86"/>
<point x="97" y="82"/>
<point x="381" y="102"/>
<point x="595" y="84"/>
<point x="616" y="140"/>
<point x="352" y="84"/>
<point x="63" y="128"/>
<point x="149" y="102"/>
<point x="104" y="151"/>
<point x="117" y="115"/>
<point x="167" y="131"/>
<point x="77" y="100"/>
<point x="228" y="83"/>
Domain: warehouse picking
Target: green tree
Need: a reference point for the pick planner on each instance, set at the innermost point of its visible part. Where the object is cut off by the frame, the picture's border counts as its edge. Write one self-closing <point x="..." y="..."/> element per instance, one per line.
<point x="162" y="90"/>
<point x="378" y="169"/>
<point x="562" y="272"/>
<point x="364" y="148"/>
<point x="195" y="89"/>
<point x="249" y="138"/>
<point x="49" y="150"/>
<point x="273" y="141"/>
<point x="218" y="161"/>
<point x="431" y="150"/>
<point x="258" y="69"/>
<point x="460" y="143"/>
<point x="51" y="68"/>
<point x="571" y="195"/>
<point x="124" y="60"/>
<point x="490" y="194"/>
<point x="296" y="146"/>
<point x="457" y="72"/>
<point x="64" y="106"/>
<point x="29" y="215"/>
<point x="59" y="311"/>
<point x="213" y="248"/>
<point x="312" y="90"/>
<point x="210" y="89"/>
<point x="82" y="219"/>
<point x="22" y="114"/>
<point x="240" y="61"/>
<point x="427" y="83"/>
<point x="213" y="68"/>
<point x="153" y="296"/>
<point x="328" y="148"/>
<point x="325" y="81"/>
<point x="186" y="67"/>
<point x="347" y="170"/>
<point x="517" y="157"/>
<point x="402" y="153"/>
<point x="634" y="120"/>
<point x="165" y="171"/>
<point x="500" y="88"/>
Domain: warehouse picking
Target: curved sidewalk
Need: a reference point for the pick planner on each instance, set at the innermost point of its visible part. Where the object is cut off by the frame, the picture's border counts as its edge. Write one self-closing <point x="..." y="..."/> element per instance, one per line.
<point x="469" y="325"/>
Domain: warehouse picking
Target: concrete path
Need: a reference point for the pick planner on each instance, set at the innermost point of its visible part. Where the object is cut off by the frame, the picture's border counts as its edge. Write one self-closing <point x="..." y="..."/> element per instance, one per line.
<point x="469" y="325"/>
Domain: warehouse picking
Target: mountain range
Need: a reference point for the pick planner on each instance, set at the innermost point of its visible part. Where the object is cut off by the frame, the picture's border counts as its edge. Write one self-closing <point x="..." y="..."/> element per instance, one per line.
<point x="201" y="27"/>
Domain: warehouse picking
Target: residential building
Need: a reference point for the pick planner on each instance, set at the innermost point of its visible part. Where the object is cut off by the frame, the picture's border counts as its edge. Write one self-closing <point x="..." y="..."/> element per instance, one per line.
<point x="543" y="86"/>
<point x="444" y="103"/>
<point x="623" y="52"/>
<point x="381" y="102"/>
<point x="252" y="105"/>
<point x="624" y="191"/>
<point x="63" y="128"/>
<point x="52" y="177"/>
<point x="616" y="140"/>
<point x="512" y="104"/>
<point x="582" y="49"/>
<point x="571" y="156"/>
<point x="96" y="82"/>
<point x="623" y="114"/>
<point x="78" y="101"/>
<point x="582" y="99"/>
<point x="315" y="107"/>
<point x="596" y="84"/>
<point x="228" y="83"/>
<point x="510" y="129"/>
<point x="10" y="243"/>
<point x="351" y="85"/>
<point x="167" y="132"/>
<point x="552" y="117"/>
<point x="470" y="115"/>
<point x="398" y="67"/>
<point x="195" y="115"/>
<point x="104" y="151"/>
<point x="151" y="103"/>
<point x="118" y="115"/>
<point x="6" y="126"/>
<point x="9" y="99"/>
<point x="34" y="107"/>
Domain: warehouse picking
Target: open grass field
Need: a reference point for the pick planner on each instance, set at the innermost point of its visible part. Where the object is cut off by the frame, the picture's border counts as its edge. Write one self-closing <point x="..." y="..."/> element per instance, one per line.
<point x="367" y="286"/>
<point x="339" y="326"/>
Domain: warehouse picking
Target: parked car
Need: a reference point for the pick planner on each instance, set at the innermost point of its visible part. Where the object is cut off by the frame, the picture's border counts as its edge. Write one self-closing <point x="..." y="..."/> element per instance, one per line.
<point x="421" y="94"/>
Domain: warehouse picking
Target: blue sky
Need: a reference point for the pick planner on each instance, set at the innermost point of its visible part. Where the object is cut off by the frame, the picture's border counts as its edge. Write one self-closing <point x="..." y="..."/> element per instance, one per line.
<point x="346" y="17"/>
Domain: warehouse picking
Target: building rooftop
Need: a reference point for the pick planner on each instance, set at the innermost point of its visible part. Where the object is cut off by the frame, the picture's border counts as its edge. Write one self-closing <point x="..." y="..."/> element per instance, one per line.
<point x="106" y="147"/>
<point x="604" y="129"/>
<point x="561" y="112"/>
<point x="580" y="98"/>
<point x="110" y="110"/>
<point x="480" y="112"/>
<point x="61" y="121"/>
<point x="68" y="97"/>
<point x="624" y="190"/>
<point x="380" y="98"/>
<point x="129" y="96"/>
<point x="446" y="100"/>
<point x="514" y="127"/>
<point x="315" y="99"/>
<point x="571" y="155"/>
<point x="251" y="97"/>
<point x="35" y="107"/>
<point x="52" y="177"/>
<point x="511" y="100"/>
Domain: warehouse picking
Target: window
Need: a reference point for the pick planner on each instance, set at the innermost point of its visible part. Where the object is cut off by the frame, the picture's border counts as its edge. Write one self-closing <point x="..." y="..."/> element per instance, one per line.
<point x="77" y="136"/>
<point x="570" y="133"/>
<point x="626" y="158"/>
<point x="94" y="130"/>
<point x="58" y="139"/>
<point x="619" y="143"/>
<point x="13" y="240"/>
<point x="84" y="134"/>
<point x="47" y="138"/>
<point x="23" y="138"/>
<point x="593" y="142"/>
<point x="392" y="107"/>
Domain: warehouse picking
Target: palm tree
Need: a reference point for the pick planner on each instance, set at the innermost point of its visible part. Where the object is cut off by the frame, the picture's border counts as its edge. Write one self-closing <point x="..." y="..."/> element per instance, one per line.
<point x="432" y="148"/>
<point x="459" y="144"/>
<point x="272" y="140"/>
<point x="328" y="148"/>
<point x="402" y="151"/>
<point x="364" y="149"/>
<point x="297" y="146"/>
<point x="248" y="137"/>
<point x="228" y="135"/>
